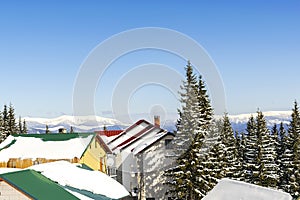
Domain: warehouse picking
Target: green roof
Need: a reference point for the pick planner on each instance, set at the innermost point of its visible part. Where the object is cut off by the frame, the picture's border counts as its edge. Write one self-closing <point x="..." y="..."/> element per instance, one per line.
<point x="89" y="194"/>
<point x="36" y="186"/>
<point x="56" y="136"/>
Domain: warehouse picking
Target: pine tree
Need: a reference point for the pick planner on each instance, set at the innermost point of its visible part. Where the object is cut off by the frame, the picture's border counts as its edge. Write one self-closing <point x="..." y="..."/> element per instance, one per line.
<point x="231" y="164"/>
<point x="12" y="127"/>
<point x="280" y="151"/>
<point x="240" y="145"/>
<point x="5" y="122"/>
<point x="294" y="144"/>
<point x="187" y="179"/>
<point x="47" y="129"/>
<point x="267" y="155"/>
<point x="251" y="153"/>
<point x="71" y="129"/>
<point x="20" y="128"/>
<point x="187" y="130"/>
<point x="24" y="127"/>
<point x="2" y="133"/>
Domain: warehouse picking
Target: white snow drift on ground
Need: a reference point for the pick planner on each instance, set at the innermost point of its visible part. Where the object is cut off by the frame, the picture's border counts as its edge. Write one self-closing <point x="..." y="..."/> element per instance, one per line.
<point x="23" y="148"/>
<point x="228" y="189"/>
<point x="67" y="174"/>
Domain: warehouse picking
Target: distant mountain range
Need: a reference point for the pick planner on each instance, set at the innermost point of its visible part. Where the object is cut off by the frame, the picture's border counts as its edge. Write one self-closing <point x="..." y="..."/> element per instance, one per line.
<point x="79" y="124"/>
<point x="93" y="123"/>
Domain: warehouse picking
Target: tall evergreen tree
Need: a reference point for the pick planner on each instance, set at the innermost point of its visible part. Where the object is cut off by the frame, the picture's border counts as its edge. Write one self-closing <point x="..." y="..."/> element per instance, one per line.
<point x="267" y="155"/>
<point x="187" y="178"/>
<point x="240" y="145"/>
<point x="12" y="126"/>
<point x="251" y="168"/>
<point x="24" y="127"/>
<point x="20" y="127"/>
<point x="5" y="122"/>
<point x="294" y="145"/>
<point x="231" y="164"/>
<point x="187" y="130"/>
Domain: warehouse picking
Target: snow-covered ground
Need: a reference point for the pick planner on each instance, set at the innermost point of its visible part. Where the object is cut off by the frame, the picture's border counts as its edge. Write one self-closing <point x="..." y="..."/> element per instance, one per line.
<point x="228" y="189"/>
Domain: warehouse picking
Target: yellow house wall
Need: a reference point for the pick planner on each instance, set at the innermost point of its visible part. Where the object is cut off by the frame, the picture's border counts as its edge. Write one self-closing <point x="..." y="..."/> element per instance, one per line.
<point x="93" y="156"/>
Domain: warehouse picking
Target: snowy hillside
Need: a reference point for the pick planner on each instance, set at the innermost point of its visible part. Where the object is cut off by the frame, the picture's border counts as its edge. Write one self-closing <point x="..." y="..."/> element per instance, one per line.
<point x="79" y="123"/>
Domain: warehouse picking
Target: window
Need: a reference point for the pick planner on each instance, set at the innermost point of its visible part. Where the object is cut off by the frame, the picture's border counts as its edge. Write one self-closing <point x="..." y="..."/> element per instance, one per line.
<point x="168" y="144"/>
<point x="150" y="198"/>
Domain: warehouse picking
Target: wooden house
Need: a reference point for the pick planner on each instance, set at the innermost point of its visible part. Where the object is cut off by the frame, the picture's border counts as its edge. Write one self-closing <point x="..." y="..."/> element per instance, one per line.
<point x="21" y="151"/>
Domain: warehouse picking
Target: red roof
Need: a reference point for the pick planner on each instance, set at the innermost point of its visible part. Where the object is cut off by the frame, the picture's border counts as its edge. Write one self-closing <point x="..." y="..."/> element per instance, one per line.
<point x="109" y="133"/>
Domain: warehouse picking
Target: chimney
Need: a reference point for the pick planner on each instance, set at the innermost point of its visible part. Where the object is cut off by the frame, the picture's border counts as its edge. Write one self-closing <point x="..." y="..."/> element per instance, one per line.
<point x="157" y="121"/>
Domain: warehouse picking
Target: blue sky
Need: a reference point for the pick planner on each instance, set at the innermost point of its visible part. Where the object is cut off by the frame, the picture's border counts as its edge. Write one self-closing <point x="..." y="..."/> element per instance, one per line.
<point x="254" y="44"/>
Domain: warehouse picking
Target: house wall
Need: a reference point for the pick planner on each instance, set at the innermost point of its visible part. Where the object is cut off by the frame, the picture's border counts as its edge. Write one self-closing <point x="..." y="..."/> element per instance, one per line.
<point x="8" y="192"/>
<point x="95" y="157"/>
<point x="152" y="163"/>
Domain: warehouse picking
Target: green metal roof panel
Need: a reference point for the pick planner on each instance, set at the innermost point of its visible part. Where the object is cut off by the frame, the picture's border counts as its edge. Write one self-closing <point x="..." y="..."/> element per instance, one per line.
<point x="36" y="186"/>
<point x="56" y="136"/>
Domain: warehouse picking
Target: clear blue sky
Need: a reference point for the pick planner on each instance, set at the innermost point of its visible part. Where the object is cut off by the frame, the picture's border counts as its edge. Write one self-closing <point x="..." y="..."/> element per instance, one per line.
<point x="255" y="45"/>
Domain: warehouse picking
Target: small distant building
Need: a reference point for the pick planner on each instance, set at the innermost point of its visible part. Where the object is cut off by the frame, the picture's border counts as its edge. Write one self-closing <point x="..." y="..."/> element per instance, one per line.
<point x="24" y="150"/>
<point x="62" y="130"/>
<point x="29" y="184"/>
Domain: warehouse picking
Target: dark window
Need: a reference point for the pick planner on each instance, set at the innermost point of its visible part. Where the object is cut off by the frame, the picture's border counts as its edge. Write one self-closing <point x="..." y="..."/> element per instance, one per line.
<point x="150" y="198"/>
<point x="168" y="144"/>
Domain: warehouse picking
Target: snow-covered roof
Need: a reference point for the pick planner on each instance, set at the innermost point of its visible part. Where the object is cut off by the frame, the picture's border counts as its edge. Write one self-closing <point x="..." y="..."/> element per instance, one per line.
<point x="149" y="141"/>
<point x="228" y="189"/>
<point x="141" y="134"/>
<point x="67" y="174"/>
<point x="49" y="146"/>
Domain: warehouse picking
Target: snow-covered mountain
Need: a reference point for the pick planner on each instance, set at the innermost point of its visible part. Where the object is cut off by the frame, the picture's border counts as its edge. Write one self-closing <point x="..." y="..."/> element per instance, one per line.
<point x="79" y="123"/>
<point x="92" y="123"/>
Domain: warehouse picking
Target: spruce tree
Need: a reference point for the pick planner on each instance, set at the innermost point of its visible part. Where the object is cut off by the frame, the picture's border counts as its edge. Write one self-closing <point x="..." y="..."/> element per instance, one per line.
<point x="24" y="127"/>
<point x="187" y="179"/>
<point x="267" y="155"/>
<point x="251" y="168"/>
<point x="231" y="164"/>
<point x="187" y="131"/>
<point x="20" y="128"/>
<point x="294" y="145"/>
<point x="2" y="133"/>
<point x="12" y="126"/>
<point x="5" y="122"/>
<point x="240" y="145"/>
<point x="47" y="129"/>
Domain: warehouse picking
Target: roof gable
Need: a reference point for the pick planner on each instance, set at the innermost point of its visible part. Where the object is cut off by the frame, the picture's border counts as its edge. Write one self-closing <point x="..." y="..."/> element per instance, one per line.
<point x="136" y="134"/>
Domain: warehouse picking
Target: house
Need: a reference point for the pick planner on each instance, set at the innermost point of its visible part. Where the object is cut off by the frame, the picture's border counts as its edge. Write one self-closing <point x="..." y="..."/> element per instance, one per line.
<point x="228" y="189"/>
<point x="29" y="184"/>
<point x="24" y="150"/>
<point x="142" y="152"/>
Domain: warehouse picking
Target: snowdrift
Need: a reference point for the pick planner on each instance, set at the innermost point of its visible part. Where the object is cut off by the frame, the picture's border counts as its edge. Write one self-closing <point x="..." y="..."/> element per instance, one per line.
<point x="228" y="189"/>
